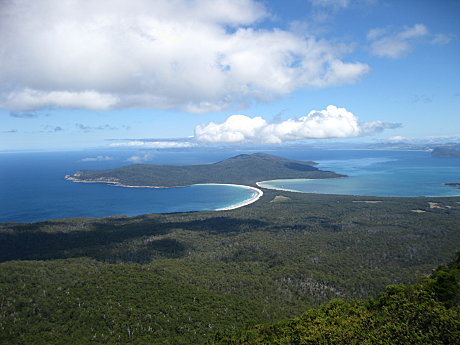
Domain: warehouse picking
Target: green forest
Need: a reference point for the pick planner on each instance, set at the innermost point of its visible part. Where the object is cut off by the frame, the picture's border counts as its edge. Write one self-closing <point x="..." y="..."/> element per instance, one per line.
<point x="423" y="313"/>
<point x="291" y="268"/>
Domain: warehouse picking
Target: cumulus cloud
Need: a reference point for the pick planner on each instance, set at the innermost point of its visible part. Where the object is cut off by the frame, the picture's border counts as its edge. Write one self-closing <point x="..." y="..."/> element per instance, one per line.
<point x="154" y="144"/>
<point x="332" y="122"/>
<point x="198" y="56"/>
<point x="96" y="159"/>
<point x="10" y="131"/>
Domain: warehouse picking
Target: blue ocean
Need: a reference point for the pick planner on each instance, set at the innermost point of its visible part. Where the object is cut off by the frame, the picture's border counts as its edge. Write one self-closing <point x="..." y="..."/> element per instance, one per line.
<point x="33" y="188"/>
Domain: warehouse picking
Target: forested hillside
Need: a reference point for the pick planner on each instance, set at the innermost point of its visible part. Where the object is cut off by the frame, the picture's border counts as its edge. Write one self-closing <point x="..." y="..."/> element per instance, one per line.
<point x="423" y="313"/>
<point x="182" y="278"/>
<point x="241" y="169"/>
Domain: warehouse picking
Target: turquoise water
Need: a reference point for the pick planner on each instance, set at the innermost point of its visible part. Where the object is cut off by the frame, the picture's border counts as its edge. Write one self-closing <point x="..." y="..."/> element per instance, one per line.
<point x="381" y="173"/>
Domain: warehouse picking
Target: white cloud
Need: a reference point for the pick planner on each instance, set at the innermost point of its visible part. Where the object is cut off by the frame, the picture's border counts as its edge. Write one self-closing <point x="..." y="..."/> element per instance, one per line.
<point x="444" y="138"/>
<point x="398" y="139"/>
<point x="140" y="158"/>
<point x="28" y="99"/>
<point x="154" y="144"/>
<point x="237" y="128"/>
<point x="375" y="33"/>
<point x="332" y="122"/>
<point x="395" y="45"/>
<point x="97" y="159"/>
<point x="199" y="56"/>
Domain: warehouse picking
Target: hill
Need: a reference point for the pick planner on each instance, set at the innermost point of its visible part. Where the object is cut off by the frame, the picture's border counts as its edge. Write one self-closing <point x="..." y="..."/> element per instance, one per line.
<point x="241" y="169"/>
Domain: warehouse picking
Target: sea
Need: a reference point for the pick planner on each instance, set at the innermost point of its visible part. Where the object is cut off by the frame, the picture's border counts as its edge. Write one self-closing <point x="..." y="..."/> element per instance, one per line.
<point x="33" y="187"/>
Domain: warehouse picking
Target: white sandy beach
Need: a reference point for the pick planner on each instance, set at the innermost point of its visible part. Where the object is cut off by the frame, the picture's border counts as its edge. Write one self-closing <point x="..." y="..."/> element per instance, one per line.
<point x="256" y="196"/>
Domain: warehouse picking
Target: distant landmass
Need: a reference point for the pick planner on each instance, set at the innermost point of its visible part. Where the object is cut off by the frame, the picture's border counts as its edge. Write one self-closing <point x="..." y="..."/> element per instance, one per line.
<point x="447" y="151"/>
<point x="453" y="184"/>
<point x="242" y="169"/>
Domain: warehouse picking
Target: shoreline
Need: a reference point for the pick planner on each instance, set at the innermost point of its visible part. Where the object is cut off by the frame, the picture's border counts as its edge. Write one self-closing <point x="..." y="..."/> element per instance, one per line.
<point x="261" y="185"/>
<point x="116" y="183"/>
<point x="257" y="193"/>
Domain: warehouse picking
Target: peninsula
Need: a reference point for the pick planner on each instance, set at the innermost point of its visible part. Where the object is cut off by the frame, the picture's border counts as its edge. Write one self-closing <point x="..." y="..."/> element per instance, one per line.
<point x="446" y="151"/>
<point x="244" y="169"/>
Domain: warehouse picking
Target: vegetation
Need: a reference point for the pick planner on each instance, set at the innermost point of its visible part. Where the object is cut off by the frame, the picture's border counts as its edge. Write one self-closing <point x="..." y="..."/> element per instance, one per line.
<point x="242" y="169"/>
<point x="181" y="278"/>
<point x="424" y="313"/>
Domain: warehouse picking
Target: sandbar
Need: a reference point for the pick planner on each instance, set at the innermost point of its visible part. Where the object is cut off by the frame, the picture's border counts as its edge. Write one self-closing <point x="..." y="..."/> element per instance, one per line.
<point x="266" y="184"/>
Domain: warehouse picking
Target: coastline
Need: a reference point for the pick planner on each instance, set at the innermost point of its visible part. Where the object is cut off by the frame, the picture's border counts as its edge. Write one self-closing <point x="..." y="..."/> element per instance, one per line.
<point x="116" y="183"/>
<point x="263" y="184"/>
<point x="266" y="184"/>
<point x="257" y="193"/>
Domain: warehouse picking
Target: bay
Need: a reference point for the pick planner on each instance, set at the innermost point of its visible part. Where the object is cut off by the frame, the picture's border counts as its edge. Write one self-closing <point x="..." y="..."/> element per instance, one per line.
<point x="379" y="173"/>
<point x="33" y="188"/>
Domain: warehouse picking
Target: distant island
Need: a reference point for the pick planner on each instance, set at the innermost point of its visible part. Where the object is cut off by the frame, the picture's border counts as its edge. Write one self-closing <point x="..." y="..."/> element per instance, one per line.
<point x="244" y="169"/>
<point x="447" y="151"/>
<point x="453" y="184"/>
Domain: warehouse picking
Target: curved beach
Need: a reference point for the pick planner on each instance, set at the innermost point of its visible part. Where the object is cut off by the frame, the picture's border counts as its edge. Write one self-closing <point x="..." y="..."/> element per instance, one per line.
<point x="257" y="194"/>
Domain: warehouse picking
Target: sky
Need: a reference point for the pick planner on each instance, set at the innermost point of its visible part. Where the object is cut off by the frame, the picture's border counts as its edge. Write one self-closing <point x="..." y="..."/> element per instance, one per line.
<point x="78" y="74"/>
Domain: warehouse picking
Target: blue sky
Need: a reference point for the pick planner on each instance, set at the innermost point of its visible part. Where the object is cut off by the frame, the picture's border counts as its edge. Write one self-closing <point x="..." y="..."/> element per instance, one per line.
<point x="74" y="74"/>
